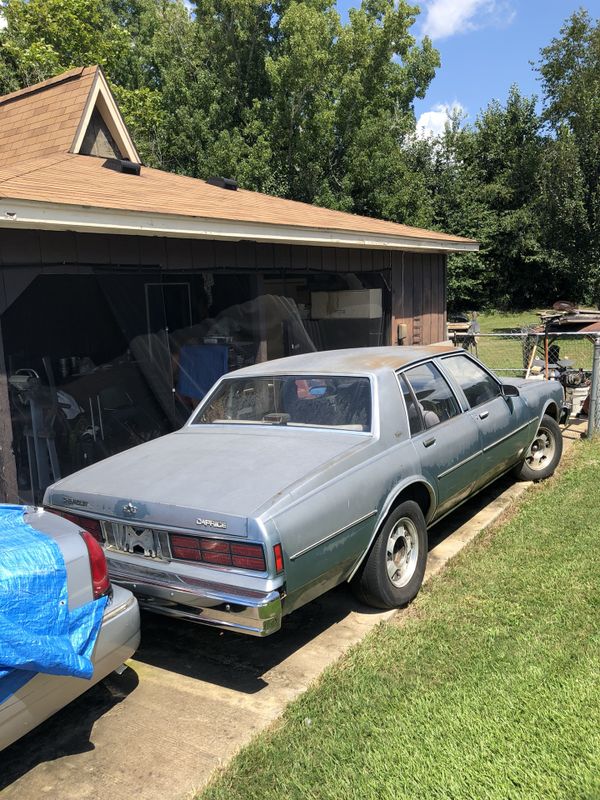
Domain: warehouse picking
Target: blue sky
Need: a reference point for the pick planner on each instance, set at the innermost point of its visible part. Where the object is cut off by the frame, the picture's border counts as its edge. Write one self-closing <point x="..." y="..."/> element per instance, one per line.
<point x="485" y="46"/>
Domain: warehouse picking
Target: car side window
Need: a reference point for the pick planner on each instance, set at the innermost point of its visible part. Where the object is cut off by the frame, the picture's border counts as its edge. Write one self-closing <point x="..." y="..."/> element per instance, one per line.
<point x="415" y="420"/>
<point x="476" y="383"/>
<point x="434" y="396"/>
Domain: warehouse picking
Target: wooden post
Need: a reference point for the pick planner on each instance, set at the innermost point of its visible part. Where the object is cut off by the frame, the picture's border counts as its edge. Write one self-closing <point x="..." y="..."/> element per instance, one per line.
<point x="397" y="280"/>
<point x="9" y="492"/>
<point x="259" y="289"/>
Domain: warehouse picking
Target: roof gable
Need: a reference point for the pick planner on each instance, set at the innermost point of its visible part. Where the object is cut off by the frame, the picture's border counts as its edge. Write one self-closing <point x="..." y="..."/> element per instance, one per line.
<point x="54" y="116"/>
<point x="101" y="102"/>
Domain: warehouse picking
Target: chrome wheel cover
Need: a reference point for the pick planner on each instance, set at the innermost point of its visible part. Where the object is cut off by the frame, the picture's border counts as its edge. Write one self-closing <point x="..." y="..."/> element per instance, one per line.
<point x="402" y="552"/>
<point x="541" y="451"/>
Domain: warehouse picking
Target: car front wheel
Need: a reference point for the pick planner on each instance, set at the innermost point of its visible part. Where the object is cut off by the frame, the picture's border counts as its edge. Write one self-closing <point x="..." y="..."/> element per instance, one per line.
<point x="393" y="571"/>
<point x="543" y="454"/>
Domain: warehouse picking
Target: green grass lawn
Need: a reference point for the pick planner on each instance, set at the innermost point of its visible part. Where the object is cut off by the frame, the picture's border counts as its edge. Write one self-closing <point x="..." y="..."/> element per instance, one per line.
<point x="506" y="322"/>
<point x="505" y="355"/>
<point x="488" y="686"/>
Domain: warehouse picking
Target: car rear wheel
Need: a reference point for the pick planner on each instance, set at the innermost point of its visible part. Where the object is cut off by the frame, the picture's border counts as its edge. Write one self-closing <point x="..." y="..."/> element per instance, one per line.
<point x="393" y="571"/>
<point x="543" y="454"/>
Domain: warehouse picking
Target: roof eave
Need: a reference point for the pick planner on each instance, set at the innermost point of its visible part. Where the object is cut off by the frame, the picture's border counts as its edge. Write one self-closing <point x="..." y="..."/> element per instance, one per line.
<point x="37" y="215"/>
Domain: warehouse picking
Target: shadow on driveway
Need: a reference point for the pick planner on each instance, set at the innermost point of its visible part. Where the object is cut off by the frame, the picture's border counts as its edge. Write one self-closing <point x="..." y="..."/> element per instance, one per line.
<point x="68" y="731"/>
<point x="232" y="660"/>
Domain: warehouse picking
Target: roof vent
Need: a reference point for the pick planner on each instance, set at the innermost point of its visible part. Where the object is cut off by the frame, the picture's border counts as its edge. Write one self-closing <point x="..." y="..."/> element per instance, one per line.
<point x="223" y="183"/>
<point x="123" y="165"/>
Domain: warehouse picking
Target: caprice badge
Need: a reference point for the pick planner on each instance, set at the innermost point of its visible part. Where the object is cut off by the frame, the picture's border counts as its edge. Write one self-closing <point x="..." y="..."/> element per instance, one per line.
<point x="212" y="523"/>
<point x="73" y="501"/>
<point x="130" y="509"/>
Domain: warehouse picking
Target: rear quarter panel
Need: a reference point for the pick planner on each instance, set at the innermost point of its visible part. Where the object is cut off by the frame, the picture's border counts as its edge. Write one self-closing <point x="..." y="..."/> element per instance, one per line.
<point x="73" y="549"/>
<point x="328" y="531"/>
<point x="118" y="638"/>
<point x="542" y="396"/>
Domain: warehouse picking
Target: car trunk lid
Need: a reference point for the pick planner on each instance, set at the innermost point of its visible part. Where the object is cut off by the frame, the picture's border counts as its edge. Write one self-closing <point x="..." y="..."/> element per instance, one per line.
<point x="201" y="478"/>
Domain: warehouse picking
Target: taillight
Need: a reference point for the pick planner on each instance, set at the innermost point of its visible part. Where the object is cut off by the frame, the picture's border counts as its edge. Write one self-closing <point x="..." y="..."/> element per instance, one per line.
<point x="91" y="525"/>
<point x="218" y="552"/>
<point x="98" y="568"/>
<point x="278" y="553"/>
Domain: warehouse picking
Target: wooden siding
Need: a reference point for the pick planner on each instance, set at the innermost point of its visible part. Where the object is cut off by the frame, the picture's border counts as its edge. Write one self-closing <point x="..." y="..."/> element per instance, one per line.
<point x="418" y="279"/>
<point x="52" y="249"/>
<point x="419" y="297"/>
<point x="26" y="254"/>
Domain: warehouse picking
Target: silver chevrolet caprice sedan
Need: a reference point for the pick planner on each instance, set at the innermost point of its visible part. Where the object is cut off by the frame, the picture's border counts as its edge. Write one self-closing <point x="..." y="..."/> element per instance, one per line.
<point x="295" y="475"/>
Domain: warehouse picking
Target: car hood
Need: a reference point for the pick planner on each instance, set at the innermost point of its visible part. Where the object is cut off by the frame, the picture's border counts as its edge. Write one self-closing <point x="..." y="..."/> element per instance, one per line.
<point x="201" y="473"/>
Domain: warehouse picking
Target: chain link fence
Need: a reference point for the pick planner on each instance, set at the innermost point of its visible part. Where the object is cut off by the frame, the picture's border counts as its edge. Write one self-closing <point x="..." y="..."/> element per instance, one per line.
<point x="572" y="358"/>
<point x="594" y="415"/>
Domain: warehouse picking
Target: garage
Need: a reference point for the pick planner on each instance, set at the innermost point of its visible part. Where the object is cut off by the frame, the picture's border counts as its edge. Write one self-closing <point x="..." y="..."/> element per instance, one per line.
<point x="126" y="291"/>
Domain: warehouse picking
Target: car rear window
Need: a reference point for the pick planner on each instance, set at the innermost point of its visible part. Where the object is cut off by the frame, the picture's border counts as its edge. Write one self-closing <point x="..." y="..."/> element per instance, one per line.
<point x="293" y="400"/>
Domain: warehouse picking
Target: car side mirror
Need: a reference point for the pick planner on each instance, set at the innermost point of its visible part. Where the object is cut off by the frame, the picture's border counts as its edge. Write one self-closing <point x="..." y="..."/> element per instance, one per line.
<point x="508" y="390"/>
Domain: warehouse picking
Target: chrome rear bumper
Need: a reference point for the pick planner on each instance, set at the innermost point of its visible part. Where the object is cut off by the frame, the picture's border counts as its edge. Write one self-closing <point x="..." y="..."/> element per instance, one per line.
<point x="204" y="602"/>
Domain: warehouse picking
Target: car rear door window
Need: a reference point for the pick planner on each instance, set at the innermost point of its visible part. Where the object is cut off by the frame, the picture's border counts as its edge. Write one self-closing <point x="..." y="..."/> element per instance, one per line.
<point x="477" y="385"/>
<point x="436" y="399"/>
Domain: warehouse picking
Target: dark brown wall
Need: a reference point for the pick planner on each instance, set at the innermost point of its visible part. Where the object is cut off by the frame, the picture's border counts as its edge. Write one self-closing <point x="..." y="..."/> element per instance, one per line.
<point x="418" y="279"/>
<point x="86" y="249"/>
<point x="419" y="297"/>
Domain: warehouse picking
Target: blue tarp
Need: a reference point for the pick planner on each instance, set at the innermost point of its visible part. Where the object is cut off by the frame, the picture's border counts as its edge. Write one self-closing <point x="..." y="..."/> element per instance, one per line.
<point x="38" y="633"/>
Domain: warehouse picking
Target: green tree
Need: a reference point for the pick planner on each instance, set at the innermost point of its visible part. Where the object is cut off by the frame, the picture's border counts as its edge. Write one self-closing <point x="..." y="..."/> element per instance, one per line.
<point x="379" y="163"/>
<point x="459" y="207"/>
<point x="45" y="37"/>
<point x="484" y="186"/>
<point x="506" y="155"/>
<point x="570" y="176"/>
<point x="326" y="114"/>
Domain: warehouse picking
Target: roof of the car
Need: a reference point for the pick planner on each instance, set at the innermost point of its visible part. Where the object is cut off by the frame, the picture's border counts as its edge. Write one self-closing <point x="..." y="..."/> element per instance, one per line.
<point x="357" y="360"/>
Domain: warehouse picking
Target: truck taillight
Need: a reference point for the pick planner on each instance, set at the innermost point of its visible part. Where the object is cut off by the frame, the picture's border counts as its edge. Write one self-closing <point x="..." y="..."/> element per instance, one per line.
<point x="85" y="523"/>
<point x="98" y="568"/>
<point x="218" y="552"/>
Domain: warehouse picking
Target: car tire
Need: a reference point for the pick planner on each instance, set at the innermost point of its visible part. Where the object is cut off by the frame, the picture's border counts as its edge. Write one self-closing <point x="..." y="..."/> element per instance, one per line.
<point x="392" y="573"/>
<point x="543" y="454"/>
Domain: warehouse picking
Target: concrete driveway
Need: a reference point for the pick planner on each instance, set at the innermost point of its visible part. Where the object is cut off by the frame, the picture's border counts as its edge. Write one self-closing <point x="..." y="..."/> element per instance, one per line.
<point x="193" y="696"/>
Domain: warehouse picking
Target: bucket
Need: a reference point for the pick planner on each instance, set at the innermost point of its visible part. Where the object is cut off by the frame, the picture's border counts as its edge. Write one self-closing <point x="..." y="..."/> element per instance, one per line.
<point x="578" y="395"/>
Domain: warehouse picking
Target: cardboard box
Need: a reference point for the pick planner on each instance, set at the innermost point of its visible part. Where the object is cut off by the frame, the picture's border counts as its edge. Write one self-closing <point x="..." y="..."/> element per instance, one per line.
<point x="347" y="304"/>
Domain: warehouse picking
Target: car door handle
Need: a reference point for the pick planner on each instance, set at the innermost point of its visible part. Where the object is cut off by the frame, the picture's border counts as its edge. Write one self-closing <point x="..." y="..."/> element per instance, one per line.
<point x="484" y="415"/>
<point x="429" y="442"/>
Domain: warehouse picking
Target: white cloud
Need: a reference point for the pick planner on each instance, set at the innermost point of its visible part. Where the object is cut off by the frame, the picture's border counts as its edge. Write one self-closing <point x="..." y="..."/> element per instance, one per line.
<point x="433" y="123"/>
<point x="3" y="22"/>
<point x="448" y="17"/>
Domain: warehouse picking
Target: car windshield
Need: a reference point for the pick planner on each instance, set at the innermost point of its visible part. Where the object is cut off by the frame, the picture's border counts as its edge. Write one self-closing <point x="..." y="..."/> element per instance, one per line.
<point x="293" y="400"/>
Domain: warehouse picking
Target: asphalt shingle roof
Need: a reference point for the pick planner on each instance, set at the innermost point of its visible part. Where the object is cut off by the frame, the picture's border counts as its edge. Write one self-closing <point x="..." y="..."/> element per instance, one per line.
<point x="37" y="129"/>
